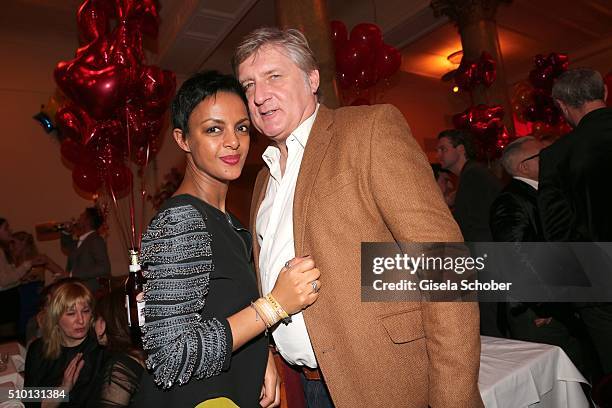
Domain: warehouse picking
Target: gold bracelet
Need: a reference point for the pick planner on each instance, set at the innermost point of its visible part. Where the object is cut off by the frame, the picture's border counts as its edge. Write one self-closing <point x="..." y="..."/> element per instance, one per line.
<point x="280" y="312"/>
<point x="265" y="312"/>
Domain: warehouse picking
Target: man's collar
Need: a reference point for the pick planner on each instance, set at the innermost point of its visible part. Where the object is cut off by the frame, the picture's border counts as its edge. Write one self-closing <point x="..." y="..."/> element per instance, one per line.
<point x="301" y="133"/>
<point x="85" y="235"/>
<point x="530" y="182"/>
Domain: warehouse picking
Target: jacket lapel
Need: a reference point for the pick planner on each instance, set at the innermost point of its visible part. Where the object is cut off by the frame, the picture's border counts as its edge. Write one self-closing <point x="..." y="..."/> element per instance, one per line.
<point x="259" y="192"/>
<point x="316" y="147"/>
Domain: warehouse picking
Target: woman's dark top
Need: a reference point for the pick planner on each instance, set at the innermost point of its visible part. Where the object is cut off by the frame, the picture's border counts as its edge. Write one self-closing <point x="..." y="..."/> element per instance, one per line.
<point x="197" y="265"/>
<point x="119" y="381"/>
<point x="42" y="372"/>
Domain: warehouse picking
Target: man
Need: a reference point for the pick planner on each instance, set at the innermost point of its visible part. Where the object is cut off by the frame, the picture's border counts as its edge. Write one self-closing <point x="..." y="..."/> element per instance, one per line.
<point x="575" y="195"/>
<point x="515" y="218"/>
<point x="335" y="179"/>
<point x="476" y="190"/>
<point x="477" y="187"/>
<point x="87" y="255"/>
<point x="514" y="213"/>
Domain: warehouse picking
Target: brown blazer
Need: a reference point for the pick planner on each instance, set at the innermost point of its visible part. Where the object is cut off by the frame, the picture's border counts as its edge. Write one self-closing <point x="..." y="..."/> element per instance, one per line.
<point x="364" y="178"/>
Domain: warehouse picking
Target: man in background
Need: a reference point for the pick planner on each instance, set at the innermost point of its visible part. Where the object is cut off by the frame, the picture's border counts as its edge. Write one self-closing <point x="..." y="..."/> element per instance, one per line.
<point x="575" y="198"/>
<point x="477" y="187"/>
<point x="476" y="190"/>
<point x="86" y="249"/>
<point x="515" y="218"/>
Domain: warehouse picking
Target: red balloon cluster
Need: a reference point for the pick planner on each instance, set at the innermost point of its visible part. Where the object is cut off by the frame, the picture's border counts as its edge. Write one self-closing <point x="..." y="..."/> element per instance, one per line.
<point x="117" y="102"/>
<point x="486" y="125"/>
<point x="473" y="73"/>
<point x="363" y="58"/>
<point x="547" y="69"/>
<point x="532" y="100"/>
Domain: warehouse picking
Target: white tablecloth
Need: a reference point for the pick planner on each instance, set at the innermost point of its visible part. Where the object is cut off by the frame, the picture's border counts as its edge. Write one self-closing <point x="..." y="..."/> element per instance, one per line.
<point x="11" y="377"/>
<point x="517" y="374"/>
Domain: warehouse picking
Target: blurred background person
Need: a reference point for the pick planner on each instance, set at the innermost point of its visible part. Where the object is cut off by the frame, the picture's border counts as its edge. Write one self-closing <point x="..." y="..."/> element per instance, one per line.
<point x="120" y="375"/>
<point x="575" y="198"/>
<point x="23" y="248"/>
<point x="67" y="355"/>
<point x="86" y="249"/>
<point x="477" y="187"/>
<point x="515" y="218"/>
<point x="446" y="182"/>
<point x="10" y="277"/>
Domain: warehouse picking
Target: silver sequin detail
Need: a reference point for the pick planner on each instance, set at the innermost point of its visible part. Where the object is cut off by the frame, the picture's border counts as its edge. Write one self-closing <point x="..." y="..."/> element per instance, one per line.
<point x="177" y="259"/>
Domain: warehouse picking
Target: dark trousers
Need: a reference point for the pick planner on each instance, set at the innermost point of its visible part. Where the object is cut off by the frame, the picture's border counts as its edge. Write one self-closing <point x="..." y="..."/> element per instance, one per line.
<point x="316" y="394"/>
<point x="598" y="321"/>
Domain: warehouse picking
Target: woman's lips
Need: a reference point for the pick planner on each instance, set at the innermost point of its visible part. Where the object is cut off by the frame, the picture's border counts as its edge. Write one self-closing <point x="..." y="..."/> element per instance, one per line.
<point x="231" y="159"/>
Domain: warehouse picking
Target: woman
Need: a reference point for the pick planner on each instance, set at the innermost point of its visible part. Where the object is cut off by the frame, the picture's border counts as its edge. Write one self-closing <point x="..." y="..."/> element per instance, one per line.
<point x="67" y="355"/>
<point x="204" y="321"/>
<point x="23" y="249"/>
<point x="10" y="275"/>
<point x="10" y="278"/>
<point x="123" y="363"/>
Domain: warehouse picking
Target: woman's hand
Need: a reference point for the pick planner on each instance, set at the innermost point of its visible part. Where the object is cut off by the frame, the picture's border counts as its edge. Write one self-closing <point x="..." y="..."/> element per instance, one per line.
<point x="71" y="373"/>
<point x="270" y="392"/>
<point x="297" y="286"/>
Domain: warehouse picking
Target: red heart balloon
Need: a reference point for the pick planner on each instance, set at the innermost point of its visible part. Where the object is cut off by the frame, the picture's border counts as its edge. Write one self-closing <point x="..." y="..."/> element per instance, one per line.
<point x="119" y="179"/>
<point x="99" y="91"/>
<point x="367" y="34"/>
<point x="86" y="177"/>
<point x="154" y="89"/>
<point x="339" y="34"/>
<point x="106" y="133"/>
<point x="387" y="61"/>
<point x="366" y="77"/>
<point x="72" y="152"/>
<point x="92" y="21"/>
<point x="353" y="57"/>
<point x="73" y="122"/>
<point x="343" y="80"/>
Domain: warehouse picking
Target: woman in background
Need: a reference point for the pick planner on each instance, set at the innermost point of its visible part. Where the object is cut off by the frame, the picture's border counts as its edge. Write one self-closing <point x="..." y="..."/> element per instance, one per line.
<point x="123" y="362"/>
<point x="67" y="355"/>
<point x="10" y="278"/>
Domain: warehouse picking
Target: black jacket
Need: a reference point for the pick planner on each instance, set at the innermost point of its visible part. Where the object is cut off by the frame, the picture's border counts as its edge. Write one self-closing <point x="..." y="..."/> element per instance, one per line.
<point x="575" y="193"/>
<point x="475" y="193"/>
<point x="514" y="214"/>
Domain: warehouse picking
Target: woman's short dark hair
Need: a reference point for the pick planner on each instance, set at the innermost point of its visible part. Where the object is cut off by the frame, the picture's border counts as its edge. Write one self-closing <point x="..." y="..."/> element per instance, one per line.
<point x="197" y="88"/>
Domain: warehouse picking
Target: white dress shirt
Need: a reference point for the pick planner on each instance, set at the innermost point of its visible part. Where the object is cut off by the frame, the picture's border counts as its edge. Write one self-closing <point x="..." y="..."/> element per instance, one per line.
<point x="531" y="182"/>
<point x="275" y="236"/>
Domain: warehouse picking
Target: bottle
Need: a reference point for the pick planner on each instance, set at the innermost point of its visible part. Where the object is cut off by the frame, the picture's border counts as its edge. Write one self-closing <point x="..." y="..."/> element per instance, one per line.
<point x="134" y="298"/>
<point x="50" y="230"/>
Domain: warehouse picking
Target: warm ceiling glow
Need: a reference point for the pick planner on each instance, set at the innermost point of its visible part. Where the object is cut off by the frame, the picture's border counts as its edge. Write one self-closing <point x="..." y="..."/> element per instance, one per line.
<point x="455" y="57"/>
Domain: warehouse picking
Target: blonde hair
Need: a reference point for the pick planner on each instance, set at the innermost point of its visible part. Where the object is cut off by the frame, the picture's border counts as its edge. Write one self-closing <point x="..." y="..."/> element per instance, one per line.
<point x="64" y="296"/>
<point x="29" y="247"/>
<point x="292" y="41"/>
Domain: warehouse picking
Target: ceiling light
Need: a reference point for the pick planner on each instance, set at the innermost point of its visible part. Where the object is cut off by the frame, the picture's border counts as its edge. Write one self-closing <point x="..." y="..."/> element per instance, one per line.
<point x="455" y="57"/>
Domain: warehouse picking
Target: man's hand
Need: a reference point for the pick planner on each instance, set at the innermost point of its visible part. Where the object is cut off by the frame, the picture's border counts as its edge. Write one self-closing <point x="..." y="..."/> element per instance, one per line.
<point x="270" y="392"/>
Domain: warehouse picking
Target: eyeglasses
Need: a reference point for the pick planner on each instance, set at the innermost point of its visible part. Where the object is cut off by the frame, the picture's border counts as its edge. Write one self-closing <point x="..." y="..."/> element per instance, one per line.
<point x="530" y="157"/>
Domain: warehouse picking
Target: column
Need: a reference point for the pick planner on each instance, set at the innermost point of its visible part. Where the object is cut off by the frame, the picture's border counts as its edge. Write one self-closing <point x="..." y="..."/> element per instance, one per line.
<point x="310" y="17"/>
<point x="475" y="20"/>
